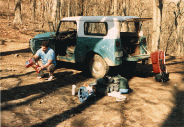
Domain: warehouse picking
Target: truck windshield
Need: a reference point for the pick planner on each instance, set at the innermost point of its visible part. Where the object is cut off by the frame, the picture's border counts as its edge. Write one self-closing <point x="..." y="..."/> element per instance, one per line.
<point x="132" y="27"/>
<point x="64" y="26"/>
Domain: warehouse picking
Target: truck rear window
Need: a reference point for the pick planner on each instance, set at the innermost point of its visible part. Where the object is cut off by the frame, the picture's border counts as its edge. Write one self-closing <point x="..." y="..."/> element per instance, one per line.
<point x="95" y="28"/>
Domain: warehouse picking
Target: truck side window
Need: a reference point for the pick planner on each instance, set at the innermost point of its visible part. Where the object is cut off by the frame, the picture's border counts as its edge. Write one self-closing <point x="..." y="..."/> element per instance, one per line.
<point x="95" y="28"/>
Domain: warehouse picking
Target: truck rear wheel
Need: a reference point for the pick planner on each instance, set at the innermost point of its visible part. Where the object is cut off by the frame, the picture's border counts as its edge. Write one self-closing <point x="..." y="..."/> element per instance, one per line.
<point x="98" y="67"/>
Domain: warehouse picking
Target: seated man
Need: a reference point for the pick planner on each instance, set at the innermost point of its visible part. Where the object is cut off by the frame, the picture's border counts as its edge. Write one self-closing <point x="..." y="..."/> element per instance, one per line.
<point x="48" y="61"/>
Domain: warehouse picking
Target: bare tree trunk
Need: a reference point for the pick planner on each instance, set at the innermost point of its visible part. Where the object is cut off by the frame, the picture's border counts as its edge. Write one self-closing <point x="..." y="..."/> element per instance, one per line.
<point x="43" y="11"/>
<point x="104" y="8"/>
<point x="68" y="8"/>
<point x="159" y="21"/>
<point x="61" y="8"/>
<point x="111" y="8"/>
<point x="123" y="8"/>
<point x="82" y="7"/>
<point x="54" y="9"/>
<point x="182" y="44"/>
<point x="8" y="10"/>
<point x="155" y="33"/>
<point x="85" y="8"/>
<point x="33" y="7"/>
<point x="115" y="7"/>
<point x="178" y="24"/>
<point x="57" y="13"/>
<point x="17" y="18"/>
<point x="76" y="8"/>
<point x="95" y="8"/>
<point x="39" y="4"/>
<point x="39" y="9"/>
<point x="46" y="9"/>
<point x="177" y="36"/>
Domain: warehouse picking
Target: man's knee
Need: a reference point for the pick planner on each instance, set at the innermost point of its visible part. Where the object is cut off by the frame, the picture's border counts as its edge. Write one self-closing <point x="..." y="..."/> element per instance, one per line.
<point x="51" y="68"/>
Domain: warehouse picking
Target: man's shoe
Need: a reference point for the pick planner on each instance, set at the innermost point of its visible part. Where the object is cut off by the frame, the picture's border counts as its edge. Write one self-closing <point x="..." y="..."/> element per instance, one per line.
<point x="50" y="78"/>
<point x="41" y="74"/>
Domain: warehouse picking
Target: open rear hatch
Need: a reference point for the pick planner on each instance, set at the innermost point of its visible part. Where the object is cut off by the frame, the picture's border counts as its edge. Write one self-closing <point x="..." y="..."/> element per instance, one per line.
<point x="138" y="19"/>
<point x="133" y="46"/>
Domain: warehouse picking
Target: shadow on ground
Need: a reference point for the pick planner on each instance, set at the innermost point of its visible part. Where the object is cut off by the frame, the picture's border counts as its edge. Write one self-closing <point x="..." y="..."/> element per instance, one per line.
<point x="27" y="50"/>
<point x="64" y="79"/>
<point x="176" y="117"/>
<point x="56" y="119"/>
<point x="130" y="70"/>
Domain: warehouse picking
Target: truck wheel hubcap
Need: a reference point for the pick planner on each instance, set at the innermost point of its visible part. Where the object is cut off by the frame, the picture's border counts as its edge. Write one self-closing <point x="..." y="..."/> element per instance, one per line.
<point x="97" y="66"/>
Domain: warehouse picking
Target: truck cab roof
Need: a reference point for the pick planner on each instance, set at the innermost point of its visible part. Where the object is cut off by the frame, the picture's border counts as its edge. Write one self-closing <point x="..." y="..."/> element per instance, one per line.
<point x="105" y="18"/>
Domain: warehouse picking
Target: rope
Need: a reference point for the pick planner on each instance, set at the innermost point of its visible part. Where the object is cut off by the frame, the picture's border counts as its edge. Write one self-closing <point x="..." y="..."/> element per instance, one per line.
<point x="126" y="52"/>
<point x="145" y="49"/>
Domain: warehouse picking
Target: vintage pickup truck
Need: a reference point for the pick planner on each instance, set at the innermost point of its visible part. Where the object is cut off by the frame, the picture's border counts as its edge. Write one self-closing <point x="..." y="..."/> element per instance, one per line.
<point x="97" y="42"/>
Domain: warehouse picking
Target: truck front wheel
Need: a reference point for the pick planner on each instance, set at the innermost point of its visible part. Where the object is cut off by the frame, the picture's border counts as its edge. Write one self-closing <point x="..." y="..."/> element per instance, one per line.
<point x="98" y="67"/>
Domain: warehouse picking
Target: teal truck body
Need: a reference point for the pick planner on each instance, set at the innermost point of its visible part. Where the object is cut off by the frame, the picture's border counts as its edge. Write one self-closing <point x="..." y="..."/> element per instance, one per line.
<point x="97" y="41"/>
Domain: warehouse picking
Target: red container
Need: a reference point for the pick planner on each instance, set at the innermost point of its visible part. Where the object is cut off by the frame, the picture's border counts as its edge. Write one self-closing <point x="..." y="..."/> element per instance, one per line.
<point x="37" y="69"/>
<point x="156" y="58"/>
<point x="29" y="63"/>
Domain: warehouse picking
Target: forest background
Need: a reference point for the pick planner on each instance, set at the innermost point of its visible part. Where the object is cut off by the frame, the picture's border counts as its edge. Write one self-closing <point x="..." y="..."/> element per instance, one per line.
<point x="164" y="32"/>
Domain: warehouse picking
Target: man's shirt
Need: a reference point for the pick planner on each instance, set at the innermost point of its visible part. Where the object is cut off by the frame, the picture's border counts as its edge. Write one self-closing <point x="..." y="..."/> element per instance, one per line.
<point x="49" y="54"/>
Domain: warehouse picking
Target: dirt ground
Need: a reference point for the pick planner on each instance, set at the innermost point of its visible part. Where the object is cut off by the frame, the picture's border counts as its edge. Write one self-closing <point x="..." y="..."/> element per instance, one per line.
<point x="30" y="102"/>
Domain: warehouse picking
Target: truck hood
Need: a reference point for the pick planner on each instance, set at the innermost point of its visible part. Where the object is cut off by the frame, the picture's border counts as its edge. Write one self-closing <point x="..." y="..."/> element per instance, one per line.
<point x="45" y="35"/>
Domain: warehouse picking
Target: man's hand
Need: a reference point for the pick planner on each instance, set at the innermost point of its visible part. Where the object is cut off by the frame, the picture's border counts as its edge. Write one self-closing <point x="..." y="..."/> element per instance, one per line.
<point x="45" y="66"/>
<point x="48" y="63"/>
<point x="39" y="68"/>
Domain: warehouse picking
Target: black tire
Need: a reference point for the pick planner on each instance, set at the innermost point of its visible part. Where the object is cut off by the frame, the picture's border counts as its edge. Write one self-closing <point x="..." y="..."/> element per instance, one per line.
<point x="98" y="67"/>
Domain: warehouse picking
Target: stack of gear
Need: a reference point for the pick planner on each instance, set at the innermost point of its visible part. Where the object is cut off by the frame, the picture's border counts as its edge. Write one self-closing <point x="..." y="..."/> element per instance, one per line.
<point x="123" y="84"/>
<point x="102" y="87"/>
<point x="159" y="68"/>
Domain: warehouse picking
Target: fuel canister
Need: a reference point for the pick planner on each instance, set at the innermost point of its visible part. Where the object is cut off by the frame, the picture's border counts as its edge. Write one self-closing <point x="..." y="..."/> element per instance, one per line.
<point x="37" y="69"/>
<point x="30" y="62"/>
